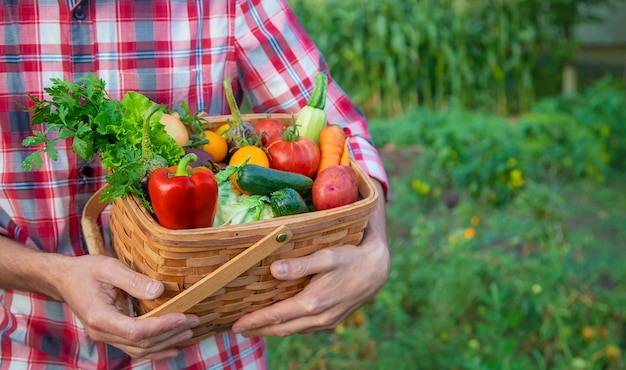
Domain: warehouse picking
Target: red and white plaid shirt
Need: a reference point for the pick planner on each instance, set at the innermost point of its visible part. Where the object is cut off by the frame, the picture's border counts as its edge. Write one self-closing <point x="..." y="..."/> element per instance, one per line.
<point x="171" y="51"/>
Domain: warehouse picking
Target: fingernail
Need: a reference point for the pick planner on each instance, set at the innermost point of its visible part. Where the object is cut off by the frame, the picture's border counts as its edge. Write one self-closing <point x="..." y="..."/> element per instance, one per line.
<point x="237" y="329"/>
<point x="187" y="335"/>
<point x="193" y="322"/>
<point x="152" y="288"/>
<point x="281" y="268"/>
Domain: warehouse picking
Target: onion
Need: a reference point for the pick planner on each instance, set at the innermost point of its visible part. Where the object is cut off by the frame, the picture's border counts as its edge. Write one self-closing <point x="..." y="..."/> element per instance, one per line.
<point x="175" y="128"/>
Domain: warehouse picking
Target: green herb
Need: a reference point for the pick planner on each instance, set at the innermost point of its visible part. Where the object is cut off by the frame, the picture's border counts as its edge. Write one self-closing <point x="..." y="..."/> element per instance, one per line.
<point x="101" y="126"/>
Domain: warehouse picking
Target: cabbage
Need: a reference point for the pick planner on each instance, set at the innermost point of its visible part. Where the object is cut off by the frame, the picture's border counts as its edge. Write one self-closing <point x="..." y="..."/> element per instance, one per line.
<point x="234" y="208"/>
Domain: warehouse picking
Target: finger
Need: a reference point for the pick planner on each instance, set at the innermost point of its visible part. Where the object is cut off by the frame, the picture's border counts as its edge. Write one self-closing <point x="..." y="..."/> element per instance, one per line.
<point x="295" y="268"/>
<point x="136" y="284"/>
<point x="302" y="305"/>
<point x="160" y="350"/>
<point x="301" y="325"/>
<point x="114" y="327"/>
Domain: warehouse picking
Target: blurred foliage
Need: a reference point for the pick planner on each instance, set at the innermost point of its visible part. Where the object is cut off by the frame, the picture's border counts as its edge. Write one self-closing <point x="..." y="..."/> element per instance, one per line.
<point x="391" y="55"/>
<point x="601" y="110"/>
<point x="519" y="271"/>
<point x="490" y="159"/>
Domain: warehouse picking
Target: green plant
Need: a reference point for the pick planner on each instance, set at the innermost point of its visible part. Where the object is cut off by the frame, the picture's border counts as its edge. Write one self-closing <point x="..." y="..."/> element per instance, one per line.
<point x="558" y="146"/>
<point x="600" y="109"/>
<point x="391" y="56"/>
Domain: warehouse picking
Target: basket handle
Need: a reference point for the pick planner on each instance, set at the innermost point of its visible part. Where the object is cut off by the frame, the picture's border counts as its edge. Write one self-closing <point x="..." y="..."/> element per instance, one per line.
<point x="89" y="222"/>
<point x="225" y="273"/>
<point x="207" y="285"/>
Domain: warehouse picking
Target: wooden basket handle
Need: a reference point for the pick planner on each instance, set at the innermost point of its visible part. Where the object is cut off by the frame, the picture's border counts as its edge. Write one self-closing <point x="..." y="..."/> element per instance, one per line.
<point x="208" y="285"/>
<point x="225" y="273"/>
<point x="89" y="222"/>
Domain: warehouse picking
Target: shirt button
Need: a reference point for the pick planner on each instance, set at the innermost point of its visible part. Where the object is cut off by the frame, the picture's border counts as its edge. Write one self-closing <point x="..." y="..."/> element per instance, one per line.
<point x="79" y="13"/>
<point x="86" y="171"/>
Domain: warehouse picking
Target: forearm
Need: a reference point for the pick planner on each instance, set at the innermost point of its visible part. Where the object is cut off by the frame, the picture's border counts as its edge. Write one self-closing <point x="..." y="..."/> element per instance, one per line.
<point x="22" y="268"/>
<point x="375" y="239"/>
<point x="378" y="221"/>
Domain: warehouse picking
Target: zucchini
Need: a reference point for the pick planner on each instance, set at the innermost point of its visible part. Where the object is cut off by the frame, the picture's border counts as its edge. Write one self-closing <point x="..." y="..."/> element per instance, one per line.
<point x="286" y="202"/>
<point x="261" y="180"/>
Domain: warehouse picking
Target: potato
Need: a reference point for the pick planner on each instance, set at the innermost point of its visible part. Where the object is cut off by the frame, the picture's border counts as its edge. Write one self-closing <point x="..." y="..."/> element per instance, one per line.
<point x="334" y="187"/>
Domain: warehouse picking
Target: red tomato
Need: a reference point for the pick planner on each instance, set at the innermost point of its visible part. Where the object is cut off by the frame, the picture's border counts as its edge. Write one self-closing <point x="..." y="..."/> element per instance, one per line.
<point x="271" y="128"/>
<point x="294" y="153"/>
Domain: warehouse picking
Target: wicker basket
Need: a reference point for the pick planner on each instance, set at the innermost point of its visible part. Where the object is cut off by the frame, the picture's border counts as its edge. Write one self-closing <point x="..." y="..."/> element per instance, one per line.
<point x="222" y="273"/>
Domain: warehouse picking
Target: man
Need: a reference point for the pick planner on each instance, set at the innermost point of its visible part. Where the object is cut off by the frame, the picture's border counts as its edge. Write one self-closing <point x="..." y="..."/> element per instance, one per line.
<point x="57" y="303"/>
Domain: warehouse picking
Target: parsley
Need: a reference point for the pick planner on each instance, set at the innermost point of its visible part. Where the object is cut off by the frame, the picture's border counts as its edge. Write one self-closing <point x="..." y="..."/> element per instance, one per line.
<point x="99" y="125"/>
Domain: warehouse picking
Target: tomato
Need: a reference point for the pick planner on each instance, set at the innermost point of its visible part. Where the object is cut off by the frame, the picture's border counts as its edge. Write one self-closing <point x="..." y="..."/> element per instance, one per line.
<point x="217" y="146"/>
<point x="294" y="153"/>
<point x="270" y="128"/>
<point x="223" y="129"/>
<point x="256" y="156"/>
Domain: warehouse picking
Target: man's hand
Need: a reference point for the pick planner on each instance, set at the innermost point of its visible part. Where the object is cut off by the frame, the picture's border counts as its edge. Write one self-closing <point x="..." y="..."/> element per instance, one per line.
<point x="90" y="286"/>
<point x="345" y="277"/>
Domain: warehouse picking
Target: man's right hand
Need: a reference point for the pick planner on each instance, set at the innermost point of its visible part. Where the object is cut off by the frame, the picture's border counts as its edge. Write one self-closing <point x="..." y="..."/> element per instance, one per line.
<point x="90" y="286"/>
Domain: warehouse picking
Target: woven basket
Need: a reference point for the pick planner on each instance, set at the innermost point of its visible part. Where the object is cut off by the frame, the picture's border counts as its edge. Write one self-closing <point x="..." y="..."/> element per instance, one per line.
<point x="222" y="273"/>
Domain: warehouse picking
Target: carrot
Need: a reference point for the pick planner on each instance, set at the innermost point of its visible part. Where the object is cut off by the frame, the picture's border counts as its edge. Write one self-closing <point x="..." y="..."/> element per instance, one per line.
<point x="332" y="140"/>
<point x="345" y="156"/>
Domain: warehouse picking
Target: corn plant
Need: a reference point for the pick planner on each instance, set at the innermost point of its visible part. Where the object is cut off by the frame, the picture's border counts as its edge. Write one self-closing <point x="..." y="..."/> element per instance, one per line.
<point x="392" y="55"/>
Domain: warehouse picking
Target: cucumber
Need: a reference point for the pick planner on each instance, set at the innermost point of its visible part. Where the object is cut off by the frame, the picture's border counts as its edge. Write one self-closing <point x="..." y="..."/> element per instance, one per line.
<point x="260" y="180"/>
<point x="286" y="202"/>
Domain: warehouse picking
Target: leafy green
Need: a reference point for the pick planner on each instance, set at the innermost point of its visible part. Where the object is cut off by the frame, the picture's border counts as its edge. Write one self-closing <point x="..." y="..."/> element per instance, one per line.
<point x="234" y="208"/>
<point x="101" y="126"/>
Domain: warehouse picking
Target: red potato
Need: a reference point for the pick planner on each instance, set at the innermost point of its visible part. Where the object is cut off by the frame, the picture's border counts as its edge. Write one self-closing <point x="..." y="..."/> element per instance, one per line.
<point x="334" y="187"/>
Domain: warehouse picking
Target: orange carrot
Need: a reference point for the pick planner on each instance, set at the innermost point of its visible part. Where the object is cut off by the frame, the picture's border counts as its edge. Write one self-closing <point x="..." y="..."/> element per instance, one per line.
<point x="345" y="156"/>
<point x="332" y="140"/>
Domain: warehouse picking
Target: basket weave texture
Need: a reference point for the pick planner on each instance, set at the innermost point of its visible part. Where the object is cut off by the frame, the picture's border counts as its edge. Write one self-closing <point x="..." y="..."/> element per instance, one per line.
<point x="181" y="258"/>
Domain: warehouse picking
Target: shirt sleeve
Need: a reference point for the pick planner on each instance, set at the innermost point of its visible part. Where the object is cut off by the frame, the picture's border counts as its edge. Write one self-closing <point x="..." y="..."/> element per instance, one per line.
<point x="277" y="62"/>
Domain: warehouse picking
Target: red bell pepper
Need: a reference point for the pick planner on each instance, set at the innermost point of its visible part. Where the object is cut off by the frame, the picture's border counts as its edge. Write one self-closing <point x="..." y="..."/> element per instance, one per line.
<point x="183" y="197"/>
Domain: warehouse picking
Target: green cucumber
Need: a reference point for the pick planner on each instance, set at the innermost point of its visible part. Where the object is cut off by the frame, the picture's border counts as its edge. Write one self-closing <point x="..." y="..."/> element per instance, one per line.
<point x="262" y="180"/>
<point x="287" y="202"/>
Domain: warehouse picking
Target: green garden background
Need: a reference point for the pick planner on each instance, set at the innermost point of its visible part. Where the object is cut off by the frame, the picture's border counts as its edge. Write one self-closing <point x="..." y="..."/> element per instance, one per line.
<point x="507" y="210"/>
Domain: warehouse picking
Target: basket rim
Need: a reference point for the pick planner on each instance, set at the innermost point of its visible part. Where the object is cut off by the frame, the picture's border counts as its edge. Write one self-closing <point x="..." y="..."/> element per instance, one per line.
<point x="209" y="235"/>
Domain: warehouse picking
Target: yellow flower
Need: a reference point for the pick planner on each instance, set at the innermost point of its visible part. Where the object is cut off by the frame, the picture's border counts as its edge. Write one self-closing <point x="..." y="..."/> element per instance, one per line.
<point x="473" y="344"/>
<point x="339" y="329"/>
<point x="469" y="233"/>
<point x="475" y="220"/>
<point x="516" y="180"/>
<point x="536" y="288"/>
<point x="420" y="187"/>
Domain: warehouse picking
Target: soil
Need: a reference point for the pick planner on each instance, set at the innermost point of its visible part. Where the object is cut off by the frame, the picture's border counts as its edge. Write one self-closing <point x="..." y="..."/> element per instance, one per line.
<point x="398" y="161"/>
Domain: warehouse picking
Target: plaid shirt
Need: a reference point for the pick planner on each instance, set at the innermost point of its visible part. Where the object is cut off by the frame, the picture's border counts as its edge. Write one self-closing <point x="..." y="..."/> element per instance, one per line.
<point x="171" y="51"/>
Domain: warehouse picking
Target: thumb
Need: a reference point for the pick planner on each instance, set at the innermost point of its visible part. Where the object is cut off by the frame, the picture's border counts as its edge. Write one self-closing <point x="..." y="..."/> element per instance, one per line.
<point x="134" y="283"/>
